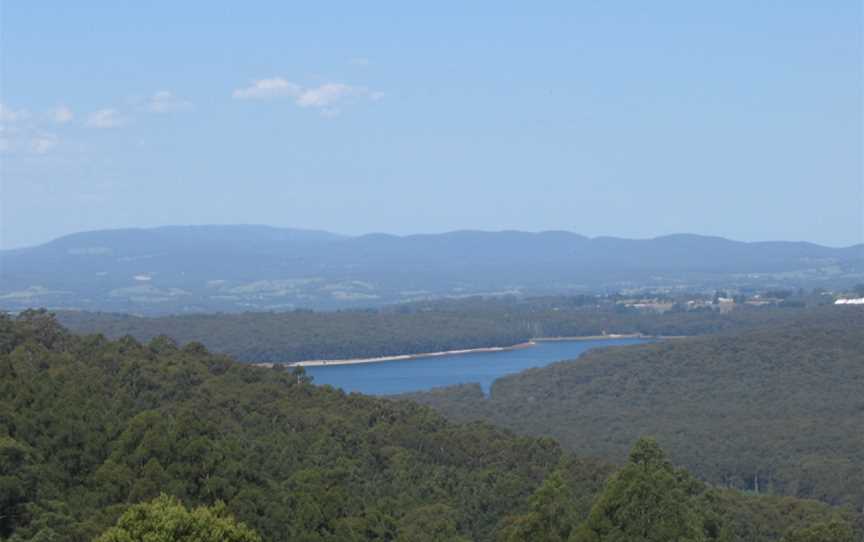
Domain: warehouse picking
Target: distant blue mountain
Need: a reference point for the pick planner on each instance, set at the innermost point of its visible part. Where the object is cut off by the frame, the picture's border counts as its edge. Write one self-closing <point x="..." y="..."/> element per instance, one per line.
<point x="247" y="267"/>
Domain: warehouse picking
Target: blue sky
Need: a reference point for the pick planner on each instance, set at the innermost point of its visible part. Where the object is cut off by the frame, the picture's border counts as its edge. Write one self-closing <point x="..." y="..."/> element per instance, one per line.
<point x="635" y="119"/>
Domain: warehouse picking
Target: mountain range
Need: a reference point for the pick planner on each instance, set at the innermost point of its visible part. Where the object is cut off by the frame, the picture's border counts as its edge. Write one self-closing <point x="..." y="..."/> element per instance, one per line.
<point x="175" y="269"/>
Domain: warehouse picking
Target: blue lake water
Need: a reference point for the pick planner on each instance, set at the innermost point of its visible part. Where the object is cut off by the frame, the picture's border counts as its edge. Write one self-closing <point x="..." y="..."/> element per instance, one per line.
<point x="391" y="377"/>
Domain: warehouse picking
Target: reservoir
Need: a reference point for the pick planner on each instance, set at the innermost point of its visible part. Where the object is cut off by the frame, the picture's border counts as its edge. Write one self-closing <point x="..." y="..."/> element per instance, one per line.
<point x="392" y="377"/>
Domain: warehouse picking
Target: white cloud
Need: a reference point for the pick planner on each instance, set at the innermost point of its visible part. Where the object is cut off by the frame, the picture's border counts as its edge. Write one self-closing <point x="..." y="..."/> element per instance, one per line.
<point x="27" y="142"/>
<point x="166" y="102"/>
<point x="43" y="143"/>
<point x="9" y="116"/>
<point x="323" y="97"/>
<point x="20" y="132"/>
<point x="267" y="88"/>
<point x="62" y="114"/>
<point x="105" y="118"/>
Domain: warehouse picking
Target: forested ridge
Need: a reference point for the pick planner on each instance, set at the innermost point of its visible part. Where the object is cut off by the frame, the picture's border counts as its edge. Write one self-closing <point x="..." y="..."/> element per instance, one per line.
<point x="232" y="268"/>
<point x="307" y="335"/>
<point x="412" y="328"/>
<point x="775" y="410"/>
<point x="89" y="427"/>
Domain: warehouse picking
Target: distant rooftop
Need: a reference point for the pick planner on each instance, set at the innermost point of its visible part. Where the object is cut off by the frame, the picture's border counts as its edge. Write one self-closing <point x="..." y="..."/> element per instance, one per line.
<point x="854" y="301"/>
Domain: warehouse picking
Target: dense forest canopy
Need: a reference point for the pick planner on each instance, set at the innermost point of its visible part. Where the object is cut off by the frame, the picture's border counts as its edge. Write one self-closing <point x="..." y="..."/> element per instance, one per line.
<point x="776" y="410"/>
<point x="90" y="427"/>
<point x="165" y="519"/>
<point x="413" y="328"/>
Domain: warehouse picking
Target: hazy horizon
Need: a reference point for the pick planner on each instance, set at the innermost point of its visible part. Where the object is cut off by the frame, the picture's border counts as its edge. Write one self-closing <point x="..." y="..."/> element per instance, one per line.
<point x="740" y="120"/>
<point x="410" y="234"/>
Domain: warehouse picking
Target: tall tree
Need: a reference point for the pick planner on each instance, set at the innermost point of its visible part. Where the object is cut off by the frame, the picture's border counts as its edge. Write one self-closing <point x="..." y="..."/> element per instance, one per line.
<point x="165" y="519"/>
<point x="551" y="517"/>
<point x="646" y="501"/>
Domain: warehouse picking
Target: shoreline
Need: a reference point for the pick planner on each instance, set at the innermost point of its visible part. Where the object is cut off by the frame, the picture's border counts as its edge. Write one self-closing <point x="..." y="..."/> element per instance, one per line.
<point x="480" y="350"/>
<point x="610" y="336"/>
<point x="399" y="357"/>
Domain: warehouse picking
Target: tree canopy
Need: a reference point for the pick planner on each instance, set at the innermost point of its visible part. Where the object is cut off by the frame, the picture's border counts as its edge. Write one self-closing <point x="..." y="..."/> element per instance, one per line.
<point x="649" y="501"/>
<point x="165" y="519"/>
<point x="413" y="328"/>
<point x="93" y="432"/>
<point x="773" y="410"/>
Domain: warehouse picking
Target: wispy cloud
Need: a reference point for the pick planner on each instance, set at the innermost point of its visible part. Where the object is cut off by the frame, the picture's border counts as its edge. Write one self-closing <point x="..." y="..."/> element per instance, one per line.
<point x="22" y="132"/>
<point x="106" y="118"/>
<point x="165" y="101"/>
<point x="42" y="144"/>
<point x="10" y="116"/>
<point x="27" y="141"/>
<point x="61" y="114"/>
<point x="267" y="88"/>
<point x="324" y="97"/>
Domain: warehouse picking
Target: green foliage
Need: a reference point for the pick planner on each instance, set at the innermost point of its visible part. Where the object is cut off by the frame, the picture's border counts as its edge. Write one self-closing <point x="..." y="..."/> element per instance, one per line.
<point x="434" y="523"/>
<point x="774" y="411"/>
<point x="552" y="514"/>
<point x="91" y="427"/>
<point x="647" y="500"/>
<point x="16" y="483"/>
<point x="165" y="519"/>
<point x="306" y="335"/>
<point x="835" y="530"/>
<point x="767" y="517"/>
<point x="410" y="329"/>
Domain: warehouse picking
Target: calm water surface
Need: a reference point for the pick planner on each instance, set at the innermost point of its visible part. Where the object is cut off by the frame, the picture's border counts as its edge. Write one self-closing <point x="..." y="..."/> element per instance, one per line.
<point x="390" y="377"/>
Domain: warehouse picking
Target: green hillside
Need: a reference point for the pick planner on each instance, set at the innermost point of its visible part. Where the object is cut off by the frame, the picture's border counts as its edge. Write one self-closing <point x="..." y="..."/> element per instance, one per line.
<point x="90" y="427"/>
<point x="777" y="410"/>
<point x="414" y="328"/>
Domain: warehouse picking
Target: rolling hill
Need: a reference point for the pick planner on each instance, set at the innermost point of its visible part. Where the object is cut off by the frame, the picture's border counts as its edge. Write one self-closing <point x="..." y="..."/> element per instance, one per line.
<point x="236" y="268"/>
<point x="90" y="427"/>
<point x="778" y="409"/>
